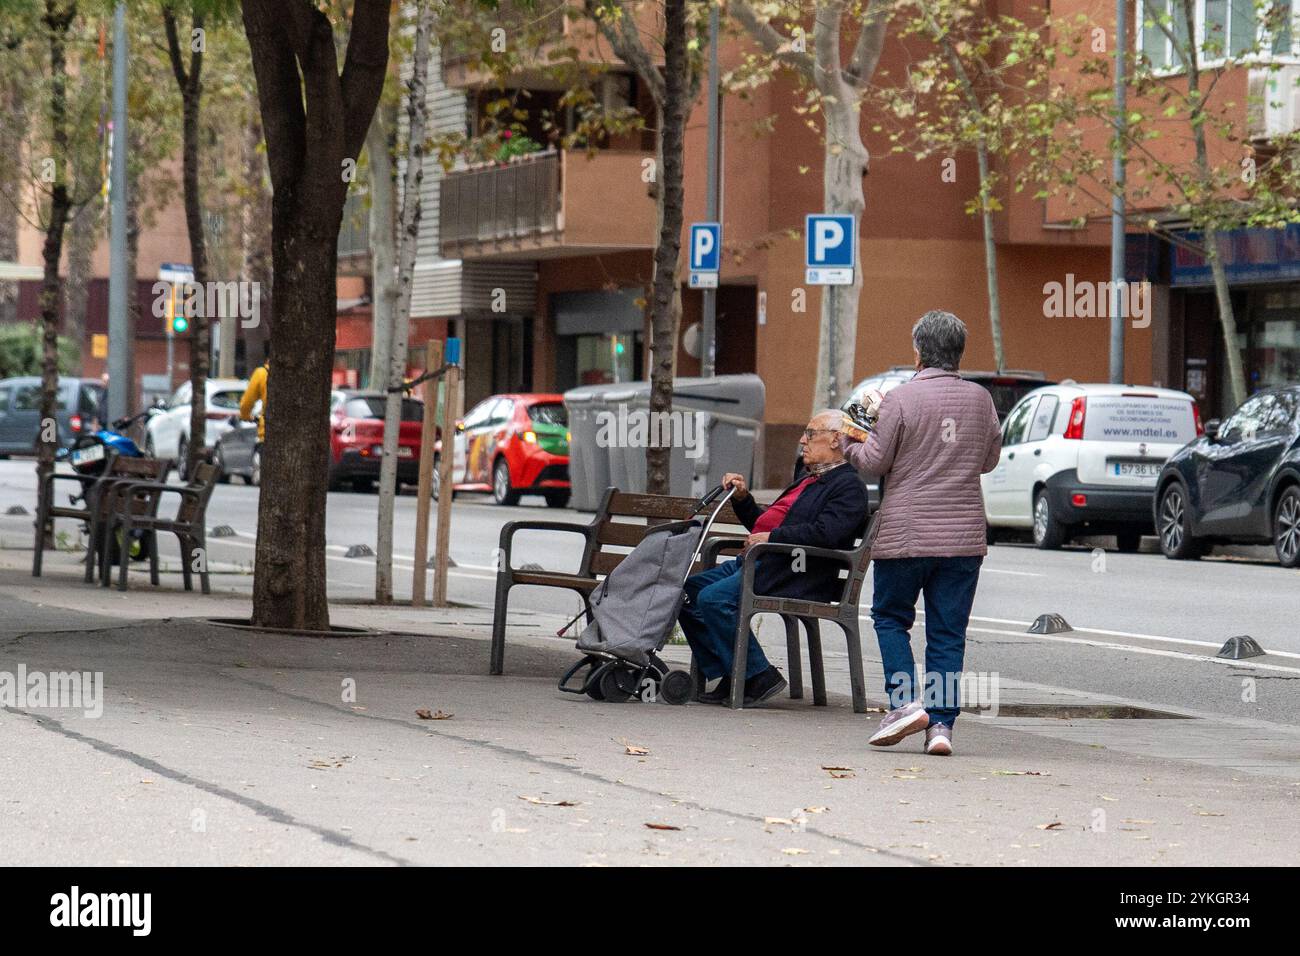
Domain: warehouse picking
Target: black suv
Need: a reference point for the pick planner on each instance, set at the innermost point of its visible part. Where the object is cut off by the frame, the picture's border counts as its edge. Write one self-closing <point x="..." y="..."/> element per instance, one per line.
<point x="1239" y="483"/>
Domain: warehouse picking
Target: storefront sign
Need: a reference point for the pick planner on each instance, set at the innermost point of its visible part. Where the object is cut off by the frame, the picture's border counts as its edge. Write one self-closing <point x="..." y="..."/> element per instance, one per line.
<point x="1248" y="255"/>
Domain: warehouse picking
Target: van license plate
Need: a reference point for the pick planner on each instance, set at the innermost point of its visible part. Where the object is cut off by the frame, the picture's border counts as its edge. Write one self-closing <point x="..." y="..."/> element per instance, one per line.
<point x="1135" y="469"/>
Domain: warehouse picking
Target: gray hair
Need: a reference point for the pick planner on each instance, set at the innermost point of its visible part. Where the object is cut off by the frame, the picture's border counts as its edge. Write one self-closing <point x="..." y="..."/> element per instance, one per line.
<point x="940" y="338"/>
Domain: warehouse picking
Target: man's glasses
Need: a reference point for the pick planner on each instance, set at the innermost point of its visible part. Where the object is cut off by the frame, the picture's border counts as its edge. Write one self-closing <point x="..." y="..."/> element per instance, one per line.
<point x="810" y="432"/>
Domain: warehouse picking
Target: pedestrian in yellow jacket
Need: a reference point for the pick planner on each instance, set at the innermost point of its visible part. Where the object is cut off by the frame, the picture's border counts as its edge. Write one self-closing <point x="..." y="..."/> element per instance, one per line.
<point x="256" y="392"/>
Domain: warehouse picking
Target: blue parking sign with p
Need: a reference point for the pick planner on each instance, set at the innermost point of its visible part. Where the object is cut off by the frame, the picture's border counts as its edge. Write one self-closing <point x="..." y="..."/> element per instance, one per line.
<point x="830" y="248"/>
<point x="705" y="254"/>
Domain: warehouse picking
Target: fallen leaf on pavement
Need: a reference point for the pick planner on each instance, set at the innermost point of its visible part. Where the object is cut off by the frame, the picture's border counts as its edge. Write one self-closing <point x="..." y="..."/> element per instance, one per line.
<point x="548" y="803"/>
<point x="1020" y="773"/>
<point x="661" y="826"/>
<point x="909" y="769"/>
<point x="793" y="851"/>
<point x="1050" y="826"/>
<point x="839" y="773"/>
<point x="634" y="751"/>
<point x="1111" y="799"/>
<point x="815" y="809"/>
<point x="424" y="714"/>
<point x="777" y="820"/>
<point x="1208" y="813"/>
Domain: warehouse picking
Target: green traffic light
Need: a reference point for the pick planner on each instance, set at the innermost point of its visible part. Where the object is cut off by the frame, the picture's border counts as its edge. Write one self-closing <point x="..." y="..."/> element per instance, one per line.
<point x="180" y="323"/>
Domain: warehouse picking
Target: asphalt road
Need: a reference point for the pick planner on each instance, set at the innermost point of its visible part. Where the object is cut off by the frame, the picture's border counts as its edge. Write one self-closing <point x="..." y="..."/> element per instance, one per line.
<point x="1145" y="627"/>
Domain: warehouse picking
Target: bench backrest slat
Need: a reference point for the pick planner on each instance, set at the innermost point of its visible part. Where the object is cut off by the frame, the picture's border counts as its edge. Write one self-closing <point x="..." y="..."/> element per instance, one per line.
<point x="647" y="511"/>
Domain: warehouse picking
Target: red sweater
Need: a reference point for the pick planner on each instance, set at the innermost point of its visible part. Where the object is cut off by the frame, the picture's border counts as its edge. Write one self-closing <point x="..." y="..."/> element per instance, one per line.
<point x="771" y="519"/>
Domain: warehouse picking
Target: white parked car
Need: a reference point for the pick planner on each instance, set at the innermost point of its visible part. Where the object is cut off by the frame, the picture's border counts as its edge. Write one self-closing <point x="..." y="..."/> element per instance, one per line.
<point x="168" y="430"/>
<point x="1083" y="459"/>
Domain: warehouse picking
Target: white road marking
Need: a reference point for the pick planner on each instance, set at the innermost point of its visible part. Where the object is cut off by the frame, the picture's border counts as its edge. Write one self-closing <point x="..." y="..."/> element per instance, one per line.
<point x="1154" y="651"/>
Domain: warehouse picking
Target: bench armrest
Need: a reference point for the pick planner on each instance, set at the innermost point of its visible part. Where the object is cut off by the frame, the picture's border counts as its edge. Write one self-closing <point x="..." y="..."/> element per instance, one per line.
<point x="510" y="527"/>
<point x="84" y="480"/>
<point x="750" y="559"/>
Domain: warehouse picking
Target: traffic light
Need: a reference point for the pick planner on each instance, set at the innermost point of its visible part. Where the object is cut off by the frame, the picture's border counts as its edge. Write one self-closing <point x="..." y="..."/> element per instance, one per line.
<point x="178" y="322"/>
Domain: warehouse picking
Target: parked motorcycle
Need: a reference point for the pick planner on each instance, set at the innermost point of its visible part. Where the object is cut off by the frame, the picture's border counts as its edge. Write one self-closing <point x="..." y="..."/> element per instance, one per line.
<point x="89" y="455"/>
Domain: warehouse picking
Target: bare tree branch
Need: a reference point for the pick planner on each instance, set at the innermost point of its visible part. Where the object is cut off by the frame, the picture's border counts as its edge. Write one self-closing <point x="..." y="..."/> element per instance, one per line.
<point x="773" y="42"/>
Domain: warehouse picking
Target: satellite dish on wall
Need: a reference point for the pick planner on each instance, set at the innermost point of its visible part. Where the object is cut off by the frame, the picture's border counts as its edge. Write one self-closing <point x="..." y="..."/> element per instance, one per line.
<point x="691" y="339"/>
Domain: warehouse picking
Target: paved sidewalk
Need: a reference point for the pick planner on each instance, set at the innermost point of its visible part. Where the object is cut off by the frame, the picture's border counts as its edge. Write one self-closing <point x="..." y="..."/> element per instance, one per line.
<point x="224" y="746"/>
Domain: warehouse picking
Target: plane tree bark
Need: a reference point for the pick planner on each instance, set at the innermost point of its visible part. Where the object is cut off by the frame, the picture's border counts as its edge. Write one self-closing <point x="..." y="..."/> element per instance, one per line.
<point x="315" y="120"/>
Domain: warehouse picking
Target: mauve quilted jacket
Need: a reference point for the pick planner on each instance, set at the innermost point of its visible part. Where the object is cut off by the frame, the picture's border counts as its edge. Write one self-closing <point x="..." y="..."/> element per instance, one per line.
<point x="934" y="438"/>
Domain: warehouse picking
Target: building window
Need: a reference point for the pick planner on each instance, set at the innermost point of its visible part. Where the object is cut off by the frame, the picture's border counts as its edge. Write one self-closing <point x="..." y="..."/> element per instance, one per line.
<point x="1225" y="30"/>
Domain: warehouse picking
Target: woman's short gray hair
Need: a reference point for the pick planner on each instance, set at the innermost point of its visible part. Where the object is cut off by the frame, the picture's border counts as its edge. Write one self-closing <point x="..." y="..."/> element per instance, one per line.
<point x="940" y="338"/>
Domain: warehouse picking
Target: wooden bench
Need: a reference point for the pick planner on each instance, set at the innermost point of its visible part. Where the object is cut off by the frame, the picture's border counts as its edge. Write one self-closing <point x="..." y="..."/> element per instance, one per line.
<point x="93" y="488"/>
<point x="135" y="506"/>
<point x="620" y="523"/>
<point x="793" y="612"/>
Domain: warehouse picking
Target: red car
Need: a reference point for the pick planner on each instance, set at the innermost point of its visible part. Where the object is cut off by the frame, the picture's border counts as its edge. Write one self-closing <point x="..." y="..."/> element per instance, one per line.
<point x="513" y="445"/>
<point x="357" y="439"/>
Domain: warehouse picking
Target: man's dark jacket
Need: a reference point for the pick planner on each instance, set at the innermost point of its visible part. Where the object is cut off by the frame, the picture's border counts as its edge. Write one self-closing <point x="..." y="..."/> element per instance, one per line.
<point x="830" y="513"/>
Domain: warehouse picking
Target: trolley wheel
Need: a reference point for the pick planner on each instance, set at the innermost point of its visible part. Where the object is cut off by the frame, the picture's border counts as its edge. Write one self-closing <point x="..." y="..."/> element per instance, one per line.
<point x="675" y="688"/>
<point x="612" y="685"/>
<point x="593" y="688"/>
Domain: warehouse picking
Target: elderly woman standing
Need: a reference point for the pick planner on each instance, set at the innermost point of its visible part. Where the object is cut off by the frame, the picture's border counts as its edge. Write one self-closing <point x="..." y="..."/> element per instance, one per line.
<point x="934" y="437"/>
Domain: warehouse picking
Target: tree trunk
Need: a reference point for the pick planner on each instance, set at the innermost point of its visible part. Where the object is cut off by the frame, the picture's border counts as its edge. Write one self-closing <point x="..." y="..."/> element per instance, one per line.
<point x="12" y="101"/>
<point x="190" y="85"/>
<point x="417" y="112"/>
<point x="990" y="258"/>
<point x="58" y="18"/>
<point x="1196" y="119"/>
<point x="663" y="331"/>
<point x="315" y="122"/>
<point x="255" y="242"/>
<point x="383" y="242"/>
<point x="844" y="165"/>
<point x="83" y="234"/>
<point x="1227" y="319"/>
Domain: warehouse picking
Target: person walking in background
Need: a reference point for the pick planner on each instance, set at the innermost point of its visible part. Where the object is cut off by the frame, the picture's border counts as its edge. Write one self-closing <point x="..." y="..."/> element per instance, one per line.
<point x="256" y="392"/>
<point x="934" y="437"/>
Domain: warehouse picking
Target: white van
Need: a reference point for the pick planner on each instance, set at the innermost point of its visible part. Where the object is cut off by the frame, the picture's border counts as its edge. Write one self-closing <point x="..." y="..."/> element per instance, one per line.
<point x="1083" y="459"/>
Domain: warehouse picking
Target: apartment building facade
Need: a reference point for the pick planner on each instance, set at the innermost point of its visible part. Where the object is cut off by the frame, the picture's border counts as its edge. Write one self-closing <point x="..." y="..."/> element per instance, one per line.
<point x="542" y="263"/>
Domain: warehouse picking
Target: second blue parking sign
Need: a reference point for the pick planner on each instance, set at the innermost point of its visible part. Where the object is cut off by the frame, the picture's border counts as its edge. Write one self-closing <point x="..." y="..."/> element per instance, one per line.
<point x="830" y="249"/>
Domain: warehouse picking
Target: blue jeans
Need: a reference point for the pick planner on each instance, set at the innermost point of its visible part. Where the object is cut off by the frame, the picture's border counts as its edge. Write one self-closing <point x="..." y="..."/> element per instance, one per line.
<point x="709" y="621"/>
<point x="949" y="588"/>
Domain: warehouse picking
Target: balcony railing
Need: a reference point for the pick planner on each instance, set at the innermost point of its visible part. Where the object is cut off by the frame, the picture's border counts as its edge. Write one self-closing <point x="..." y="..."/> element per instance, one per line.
<point x="493" y="203"/>
<point x="547" y="204"/>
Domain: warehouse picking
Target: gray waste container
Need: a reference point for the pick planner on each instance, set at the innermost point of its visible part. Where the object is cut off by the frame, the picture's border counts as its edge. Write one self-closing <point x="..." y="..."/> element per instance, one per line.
<point x="728" y="419"/>
<point x="713" y="429"/>
<point x="588" y="464"/>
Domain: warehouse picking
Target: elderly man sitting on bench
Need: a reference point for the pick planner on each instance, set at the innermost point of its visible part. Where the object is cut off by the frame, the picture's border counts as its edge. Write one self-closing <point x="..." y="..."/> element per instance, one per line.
<point x="825" y="507"/>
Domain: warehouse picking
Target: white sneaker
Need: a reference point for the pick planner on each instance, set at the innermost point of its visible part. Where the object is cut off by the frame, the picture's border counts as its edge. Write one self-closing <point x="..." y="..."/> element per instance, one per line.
<point x="938" y="740"/>
<point x="900" y="723"/>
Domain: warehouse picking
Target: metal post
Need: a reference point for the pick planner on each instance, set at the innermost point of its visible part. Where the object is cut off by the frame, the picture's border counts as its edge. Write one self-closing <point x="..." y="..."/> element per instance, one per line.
<point x="120" y="397"/>
<point x="707" y="340"/>
<point x="428" y="435"/>
<point x="1117" y="293"/>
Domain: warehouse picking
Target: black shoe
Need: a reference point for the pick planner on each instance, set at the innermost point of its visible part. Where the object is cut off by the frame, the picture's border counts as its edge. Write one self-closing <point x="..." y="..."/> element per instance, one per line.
<point x="763" y="686"/>
<point x="720" y="693"/>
